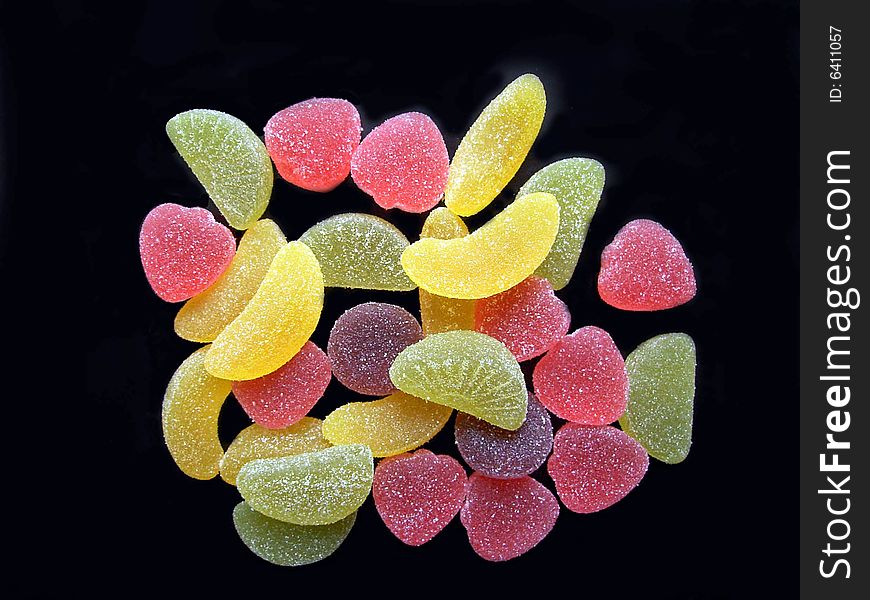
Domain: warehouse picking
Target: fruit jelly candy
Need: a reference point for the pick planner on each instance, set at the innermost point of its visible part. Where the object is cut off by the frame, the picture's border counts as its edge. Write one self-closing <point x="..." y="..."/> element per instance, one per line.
<point x="228" y="159"/>
<point x="595" y="467"/>
<point x="582" y="378"/>
<point x="183" y="250"/>
<point x="494" y="258"/>
<point x="388" y="426"/>
<point x="506" y="518"/>
<point x="503" y="454"/>
<point x="286" y="544"/>
<point x="577" y="184"/>
<point x="661" y="373"/>
<point x="191" y="407"/>
<point x="277" y="321"/>
<point x="255" y="442"/>
<point x="315" y="488"/>
<point x="365" y="340"/>
<point x="528" y="318"/>
<point x="204" y="316"/>
<point x="418" y="494"/>
<point x="312" y="142"/>
<point x="465" y="370"/>
<point x="286" y="395"/>
<point x="402" y="163"/>
<point x="645" y="268"/>
<point x="495" y="146"/>
<point x="437" y="313"/>
<point x="359" y="251"/>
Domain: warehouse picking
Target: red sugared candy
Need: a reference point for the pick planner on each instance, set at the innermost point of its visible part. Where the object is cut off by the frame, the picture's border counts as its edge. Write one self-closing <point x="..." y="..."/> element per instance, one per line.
<point x="645" y="268"/>
<point x="528" y="318"/>
<point x="281" y="398"/>
<point x="418" y="494"/>
<point x="365" y="341"/>
<point x="403" y="163"/>
<point x="506" y="518"/>
<point x="595" y="467"/>
<point x="183" y="250"/>
<point x="583" y="379"/>
<point x="311" y="142"/>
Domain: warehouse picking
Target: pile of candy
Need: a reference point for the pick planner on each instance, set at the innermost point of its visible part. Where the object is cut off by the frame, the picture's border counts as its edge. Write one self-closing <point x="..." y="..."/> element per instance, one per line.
<point x="487" y="303"/>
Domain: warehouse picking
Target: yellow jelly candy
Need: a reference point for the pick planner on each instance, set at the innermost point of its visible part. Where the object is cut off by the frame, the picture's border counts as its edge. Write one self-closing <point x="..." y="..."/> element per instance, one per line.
<point x="191" y="407"/>
<point x="277" y="321"/>
<point x="438" y="313"/>
<point x="496" y="145"/>
<point x="205" y="315"/>
<point x="255" y="442"/>
<point x="491" y="260"/>
<point x="389" y="426"/>
<point x="228" y="159"/>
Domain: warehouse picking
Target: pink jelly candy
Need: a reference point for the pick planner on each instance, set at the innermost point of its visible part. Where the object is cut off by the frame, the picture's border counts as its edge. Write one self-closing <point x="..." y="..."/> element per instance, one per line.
<point x="183" y="250"/>
<point x="528" y="318"/>
<point x="418" y="494"/>
<point x="595" y="467"/>
<point x="312" y="142"/>
<point x="506" y="518"/>
<point x="645" y="268"/>
<point x="364" y="342"/>
<point x="583" y="378"/>
<point x="281" y="398"/>
<point x="402" y="163"/>
<point x="504" y="454"/>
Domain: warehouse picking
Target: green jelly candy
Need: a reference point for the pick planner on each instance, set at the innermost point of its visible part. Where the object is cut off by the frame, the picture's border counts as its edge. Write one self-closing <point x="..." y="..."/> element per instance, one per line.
<point x="661" y="377"/>
<point x="468" y="371"/>
<point x="577" y="184"/>
<point x="315" y="488"/>
<point x="229" y="160"/>
<point x="286" y="544"/>
<point x="359" y="251"/>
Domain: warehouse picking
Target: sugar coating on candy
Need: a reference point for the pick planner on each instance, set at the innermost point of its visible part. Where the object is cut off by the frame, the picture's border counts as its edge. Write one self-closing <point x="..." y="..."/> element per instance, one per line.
<point x="287" y="394"/>
<point x="437" y="313"/>
<point x="365" y="340"/>
<point x="312" y="142"/>
<point x="255" y="442"/>
<point x="582" y="378"/>
<point x="495" y="146"/>
<point x="277" y="321"/>
<point x="595" y="467"/>
<point x="286" y="544"/>
<point x="528" y="318"/>
<point x="645" y="268"/>
<point x="183" y="250"/>
<point x="191" y="407"/>
<point x="490" y="260"/>
<point x="359" y="251"/>
<point x="418" y="494"/>
<point x="661" y="373"/>
<point x="228" y="159"/>
<point x="204" y="316"/>
<point x="315" y="488"/>
<point x="505" y="518"/>
<point x="504" y="454"/>
<point x="388" y="426"/>
<point x="402" y="163"/>
<point x="465" y="370"/>
<point x="577" y="184"/>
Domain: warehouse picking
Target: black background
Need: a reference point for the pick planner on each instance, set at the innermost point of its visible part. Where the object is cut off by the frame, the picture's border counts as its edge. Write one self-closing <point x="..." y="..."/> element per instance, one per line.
<point x="691" y="107"/>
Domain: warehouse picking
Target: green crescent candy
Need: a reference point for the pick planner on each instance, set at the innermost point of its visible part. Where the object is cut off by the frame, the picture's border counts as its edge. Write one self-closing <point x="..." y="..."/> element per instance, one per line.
<point x="286" y="544"/>
<point x="468" y="371"/>
<point x="661" y="377"/>
<point x="228" y="159"/>
<point x="577" y="184"/>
